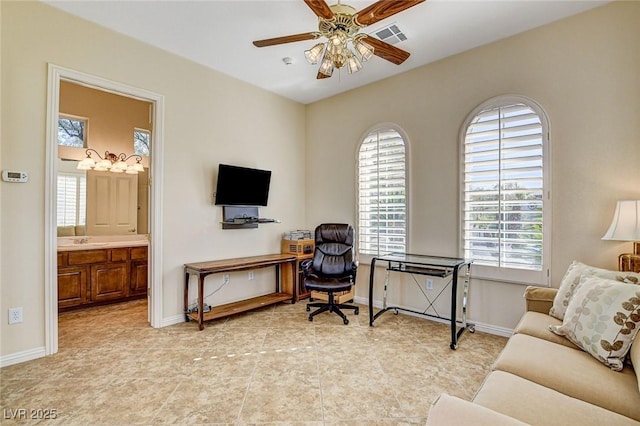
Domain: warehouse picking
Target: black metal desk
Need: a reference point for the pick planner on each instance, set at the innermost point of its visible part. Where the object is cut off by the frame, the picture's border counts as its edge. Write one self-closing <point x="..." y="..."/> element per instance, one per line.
<point x="436" y="266"/>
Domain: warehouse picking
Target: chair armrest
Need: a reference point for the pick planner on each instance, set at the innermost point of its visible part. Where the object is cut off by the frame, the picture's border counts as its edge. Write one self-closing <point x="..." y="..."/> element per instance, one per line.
<point x="305" y="265"/>
<point x="539" y="299"/>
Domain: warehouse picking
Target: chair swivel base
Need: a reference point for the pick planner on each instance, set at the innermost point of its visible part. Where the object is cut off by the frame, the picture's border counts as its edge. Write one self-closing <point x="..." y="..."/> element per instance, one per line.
<point x="331" y="306"/>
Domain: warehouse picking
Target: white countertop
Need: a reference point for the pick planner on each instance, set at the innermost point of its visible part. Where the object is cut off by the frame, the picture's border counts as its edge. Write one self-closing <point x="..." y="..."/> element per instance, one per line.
<point x="101" y="242"/>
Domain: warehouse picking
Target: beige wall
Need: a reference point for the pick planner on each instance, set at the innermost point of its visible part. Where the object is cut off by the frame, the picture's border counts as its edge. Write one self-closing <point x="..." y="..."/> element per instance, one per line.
<point x="583" y="70"/>
<point x="209" y="118"/>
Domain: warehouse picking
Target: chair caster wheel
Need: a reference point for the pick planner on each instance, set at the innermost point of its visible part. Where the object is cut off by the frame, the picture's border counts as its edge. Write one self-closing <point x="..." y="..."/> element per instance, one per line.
<point x="356" y="312"/>
<point x="346" y="321"/>
<point x="308" y="309"/>
<point x="310" y="318"/>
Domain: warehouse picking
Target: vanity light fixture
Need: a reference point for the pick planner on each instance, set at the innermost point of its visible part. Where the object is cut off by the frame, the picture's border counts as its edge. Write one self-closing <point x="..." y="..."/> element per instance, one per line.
<point x="111" y="162"/>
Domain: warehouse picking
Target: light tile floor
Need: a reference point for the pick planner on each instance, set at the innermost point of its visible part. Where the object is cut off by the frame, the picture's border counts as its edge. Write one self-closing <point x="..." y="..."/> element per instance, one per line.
<point x="266" y="366"/>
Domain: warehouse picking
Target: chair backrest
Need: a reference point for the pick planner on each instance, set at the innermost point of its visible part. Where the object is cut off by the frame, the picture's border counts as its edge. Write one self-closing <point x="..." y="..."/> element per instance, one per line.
<point x="333" y="255"/>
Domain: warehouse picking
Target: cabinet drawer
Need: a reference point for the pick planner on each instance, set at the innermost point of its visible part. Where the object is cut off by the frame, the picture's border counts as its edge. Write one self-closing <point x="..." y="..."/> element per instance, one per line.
<point x="86" y="257"/>
<point x="62" y="259"/>
<point x="119" y="254"/>
<point x="138" y="253"/>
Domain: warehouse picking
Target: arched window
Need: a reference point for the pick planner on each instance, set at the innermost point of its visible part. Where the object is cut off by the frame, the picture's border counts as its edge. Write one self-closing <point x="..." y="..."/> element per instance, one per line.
<point x="506" y="190"/>
<point x="382" y="192"/>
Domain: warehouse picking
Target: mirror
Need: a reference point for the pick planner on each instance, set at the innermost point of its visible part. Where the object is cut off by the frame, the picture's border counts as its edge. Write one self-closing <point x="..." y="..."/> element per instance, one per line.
<point x="87" y="199"/>
<point x="84" y="198"/>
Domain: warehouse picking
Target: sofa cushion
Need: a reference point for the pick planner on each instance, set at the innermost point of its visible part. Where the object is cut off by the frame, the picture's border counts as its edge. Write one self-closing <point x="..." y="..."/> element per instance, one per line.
<point x="537" y="325"/>
<point x="448" y="410"/>
<point x="634" y="354"/>
<point x="603" y="318"/>
<point x="573" y="373"/>
<point x="504" y="392"/>
<point x="571" y="281"/>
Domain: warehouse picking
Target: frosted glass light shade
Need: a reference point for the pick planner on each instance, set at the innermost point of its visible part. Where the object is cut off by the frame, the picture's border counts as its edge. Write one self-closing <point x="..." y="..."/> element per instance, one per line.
<point x="86" y="164"/>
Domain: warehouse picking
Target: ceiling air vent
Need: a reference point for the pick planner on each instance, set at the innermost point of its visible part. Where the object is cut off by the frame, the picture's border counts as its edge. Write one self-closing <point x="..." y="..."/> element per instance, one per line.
<point x="390" y="34"/>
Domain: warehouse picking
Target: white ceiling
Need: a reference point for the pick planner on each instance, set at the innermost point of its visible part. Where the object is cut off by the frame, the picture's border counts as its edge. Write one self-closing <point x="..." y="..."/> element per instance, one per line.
<point x="218" y="34"/>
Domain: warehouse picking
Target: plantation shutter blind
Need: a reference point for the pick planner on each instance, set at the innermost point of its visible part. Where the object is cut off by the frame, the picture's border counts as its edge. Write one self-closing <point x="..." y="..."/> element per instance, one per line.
<point x="504" y="188"/>
<point x="382" y="193"/>
<point x="71" y="200"/>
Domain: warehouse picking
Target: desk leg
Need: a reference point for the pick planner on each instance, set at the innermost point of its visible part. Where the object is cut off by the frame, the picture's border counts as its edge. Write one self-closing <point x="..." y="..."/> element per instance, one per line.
<point x="454" y="308"/>
<point x="201" y="302"/>
<point x="372" y="271"/>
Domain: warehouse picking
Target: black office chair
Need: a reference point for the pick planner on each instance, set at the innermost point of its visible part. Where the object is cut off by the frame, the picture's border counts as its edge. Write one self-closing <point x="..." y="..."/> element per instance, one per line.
<point x="332" y="269"/>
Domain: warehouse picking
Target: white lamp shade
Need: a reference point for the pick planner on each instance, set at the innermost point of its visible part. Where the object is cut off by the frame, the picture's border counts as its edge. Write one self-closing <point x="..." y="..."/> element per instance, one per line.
<point x="625" y="225"/>
<point x="86" y="164"/>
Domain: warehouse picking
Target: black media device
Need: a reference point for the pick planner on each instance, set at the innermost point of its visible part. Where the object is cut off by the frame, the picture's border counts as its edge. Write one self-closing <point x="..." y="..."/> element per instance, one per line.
<point x="242" y="186"/>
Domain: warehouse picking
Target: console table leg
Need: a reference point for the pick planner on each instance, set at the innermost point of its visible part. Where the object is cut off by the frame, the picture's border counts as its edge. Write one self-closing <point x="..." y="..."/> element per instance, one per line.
<point x="186" y="297"/>
<point x="201" y="302"/>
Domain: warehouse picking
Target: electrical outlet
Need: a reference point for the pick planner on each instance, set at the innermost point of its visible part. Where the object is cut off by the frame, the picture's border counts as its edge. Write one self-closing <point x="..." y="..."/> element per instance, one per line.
<point x="15" y="315"/>
<point x="225" y="279"/>
<point x="252" y="275"/>
<point x="429" y="284"/>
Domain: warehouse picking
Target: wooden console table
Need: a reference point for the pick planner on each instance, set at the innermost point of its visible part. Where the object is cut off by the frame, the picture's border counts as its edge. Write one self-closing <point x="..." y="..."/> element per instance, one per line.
<point x="285" y="265"/>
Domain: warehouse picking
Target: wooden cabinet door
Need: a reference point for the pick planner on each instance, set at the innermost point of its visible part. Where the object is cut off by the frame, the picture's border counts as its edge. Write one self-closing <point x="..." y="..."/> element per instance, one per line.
<point x="139" y="272"/>
<point x="72" y="286"/>
<point x="109" y="281"/>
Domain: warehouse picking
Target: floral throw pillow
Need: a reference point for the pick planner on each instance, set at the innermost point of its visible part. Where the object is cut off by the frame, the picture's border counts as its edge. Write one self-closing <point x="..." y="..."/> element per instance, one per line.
<point x="603" y="318"/>
<point x="571" y="281"/>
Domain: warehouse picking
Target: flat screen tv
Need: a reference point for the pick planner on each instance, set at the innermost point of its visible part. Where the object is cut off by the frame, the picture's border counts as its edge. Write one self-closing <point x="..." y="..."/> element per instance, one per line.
<point x="242" y="186"/>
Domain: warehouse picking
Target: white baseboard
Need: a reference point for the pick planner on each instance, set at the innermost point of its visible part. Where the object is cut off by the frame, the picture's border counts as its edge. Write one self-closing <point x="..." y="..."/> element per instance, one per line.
<point x="18" y="357"/>
<point x="176" y="319"/>
<point x="482" y="327"/>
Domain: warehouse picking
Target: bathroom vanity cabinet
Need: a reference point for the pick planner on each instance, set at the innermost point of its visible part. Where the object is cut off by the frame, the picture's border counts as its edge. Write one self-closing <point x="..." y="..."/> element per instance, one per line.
<point x="101" y="276"/>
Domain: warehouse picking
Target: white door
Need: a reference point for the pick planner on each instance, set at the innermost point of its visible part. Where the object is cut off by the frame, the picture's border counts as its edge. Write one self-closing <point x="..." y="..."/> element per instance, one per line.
<point x="112" y="203"/>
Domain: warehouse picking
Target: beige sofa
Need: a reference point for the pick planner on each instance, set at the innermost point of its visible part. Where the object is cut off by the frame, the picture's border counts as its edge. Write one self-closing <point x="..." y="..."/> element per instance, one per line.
<point x="541" y="378"/>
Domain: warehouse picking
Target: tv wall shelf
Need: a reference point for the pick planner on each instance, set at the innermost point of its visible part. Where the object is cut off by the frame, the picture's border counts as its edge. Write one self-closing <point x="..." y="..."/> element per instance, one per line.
<point x="234" y="217"/>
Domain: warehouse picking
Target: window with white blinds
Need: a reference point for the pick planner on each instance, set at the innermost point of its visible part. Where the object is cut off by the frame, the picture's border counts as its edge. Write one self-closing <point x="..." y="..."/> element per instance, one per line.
<point x="71" y="199"/>
<point x="505" y="195"/>
<point x="382" y="196"/>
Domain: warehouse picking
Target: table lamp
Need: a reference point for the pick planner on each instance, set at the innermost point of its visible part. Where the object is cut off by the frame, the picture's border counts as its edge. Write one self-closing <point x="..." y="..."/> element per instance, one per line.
<point x="625" y="226"/>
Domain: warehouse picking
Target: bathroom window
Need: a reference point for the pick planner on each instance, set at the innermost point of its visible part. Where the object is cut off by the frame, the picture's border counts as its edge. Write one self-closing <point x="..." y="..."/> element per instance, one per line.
<point x="141" y="142"/>
<point x="72" y="131"/>
<point x="71" y="196"/>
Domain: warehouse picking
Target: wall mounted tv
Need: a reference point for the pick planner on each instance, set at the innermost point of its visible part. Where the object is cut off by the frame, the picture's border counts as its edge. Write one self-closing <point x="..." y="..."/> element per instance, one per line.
<point x="242" y="186"/>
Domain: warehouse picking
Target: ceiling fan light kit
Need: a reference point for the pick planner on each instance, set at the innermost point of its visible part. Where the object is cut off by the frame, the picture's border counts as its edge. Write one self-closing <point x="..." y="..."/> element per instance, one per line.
<point x="340" y="25"/>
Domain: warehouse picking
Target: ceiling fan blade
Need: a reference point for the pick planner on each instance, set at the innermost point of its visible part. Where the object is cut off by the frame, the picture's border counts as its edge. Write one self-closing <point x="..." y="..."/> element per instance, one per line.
<point x="320" y="8"/>
<point x="387" y="51"/>
<point x="285" y="39"/>
<point x="383" y="9"/>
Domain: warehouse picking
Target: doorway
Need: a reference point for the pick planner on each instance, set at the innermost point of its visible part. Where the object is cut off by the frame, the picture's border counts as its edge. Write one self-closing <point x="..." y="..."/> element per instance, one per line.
<point x="58" y="75"/>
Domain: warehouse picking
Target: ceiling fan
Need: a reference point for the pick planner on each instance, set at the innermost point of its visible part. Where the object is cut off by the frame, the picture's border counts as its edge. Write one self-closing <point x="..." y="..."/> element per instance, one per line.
<point x="340" y="25"/>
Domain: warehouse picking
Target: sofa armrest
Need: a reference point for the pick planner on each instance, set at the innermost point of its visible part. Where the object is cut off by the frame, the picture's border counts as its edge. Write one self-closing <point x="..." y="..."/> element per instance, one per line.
<point x="539" y="299"/>
<point x="450" y="410"/>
